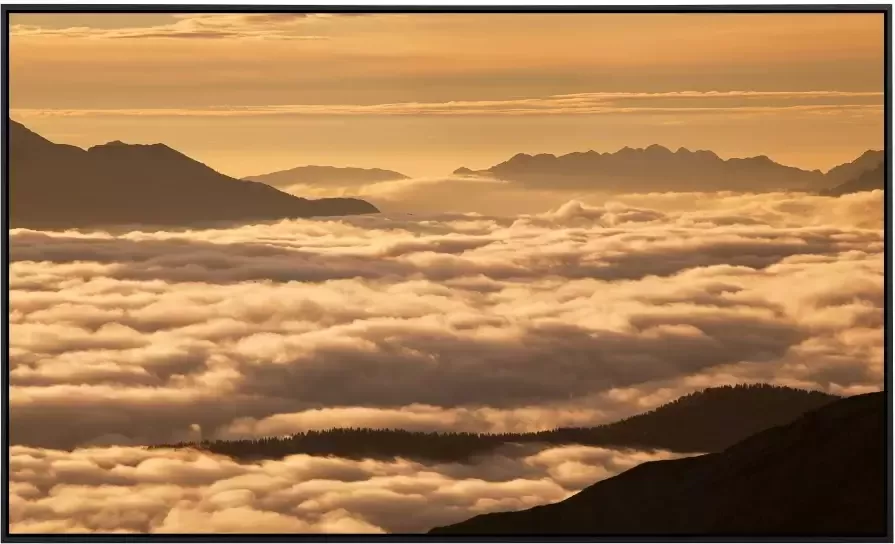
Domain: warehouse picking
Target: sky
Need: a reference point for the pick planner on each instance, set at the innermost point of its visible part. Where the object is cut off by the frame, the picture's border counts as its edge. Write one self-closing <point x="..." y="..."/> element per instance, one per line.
<point x="424" y="94"/>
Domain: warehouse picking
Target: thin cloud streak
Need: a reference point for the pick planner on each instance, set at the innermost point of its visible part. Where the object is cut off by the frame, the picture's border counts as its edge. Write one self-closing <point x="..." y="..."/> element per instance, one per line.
<point x="571" y="104"/>
<point x="260" y="26"/>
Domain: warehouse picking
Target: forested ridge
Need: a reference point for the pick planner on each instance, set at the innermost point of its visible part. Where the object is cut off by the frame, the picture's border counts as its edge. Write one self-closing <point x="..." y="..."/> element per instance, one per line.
<point x="704" y="421"/>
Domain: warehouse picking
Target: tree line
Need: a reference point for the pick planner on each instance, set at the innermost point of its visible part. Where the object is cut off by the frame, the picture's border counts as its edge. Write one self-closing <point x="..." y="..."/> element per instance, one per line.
<point x="708" y="420"/>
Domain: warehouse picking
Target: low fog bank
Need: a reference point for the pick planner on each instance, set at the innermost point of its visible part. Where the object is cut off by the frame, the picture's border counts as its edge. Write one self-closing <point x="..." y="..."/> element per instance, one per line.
<point x="490" y="196"/>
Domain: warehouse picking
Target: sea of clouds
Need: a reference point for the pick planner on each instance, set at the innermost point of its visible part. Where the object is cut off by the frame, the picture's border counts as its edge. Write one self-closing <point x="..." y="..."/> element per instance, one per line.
<point x="594" y="310"/>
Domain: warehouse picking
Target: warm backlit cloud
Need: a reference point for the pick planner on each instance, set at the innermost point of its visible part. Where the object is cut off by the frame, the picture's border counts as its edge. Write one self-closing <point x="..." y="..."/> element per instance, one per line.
<point x="492" y="323"/>
<point x="184" y="491"/>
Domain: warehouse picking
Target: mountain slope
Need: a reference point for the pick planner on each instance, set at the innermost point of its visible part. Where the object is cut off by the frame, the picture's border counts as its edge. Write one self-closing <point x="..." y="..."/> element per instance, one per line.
<point x="654" y="168"/>
<point x="709" y="420"/>
<point x="326" y="176"/>
<point x="869" y="180"/>
<point x="822" y="474"/>
<point x="59" y="186"/>
<point x="843" y="173"/>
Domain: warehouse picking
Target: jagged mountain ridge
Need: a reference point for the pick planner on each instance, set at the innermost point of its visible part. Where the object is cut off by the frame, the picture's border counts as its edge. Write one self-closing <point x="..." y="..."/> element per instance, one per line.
<point x="658" y="169"/>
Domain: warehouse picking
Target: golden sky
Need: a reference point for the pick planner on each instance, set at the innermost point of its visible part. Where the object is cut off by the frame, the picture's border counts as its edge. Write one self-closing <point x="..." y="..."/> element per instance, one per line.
<point x="425" y="94"/>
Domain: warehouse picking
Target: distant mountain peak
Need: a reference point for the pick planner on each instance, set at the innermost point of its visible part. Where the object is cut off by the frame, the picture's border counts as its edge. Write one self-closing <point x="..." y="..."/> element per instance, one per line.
<point x="844" y="173"/>
<point x="323" y="176"/>
<point x="707" y="153"/>
<point x="869" y="180"/>
<point x="118" y="144"/>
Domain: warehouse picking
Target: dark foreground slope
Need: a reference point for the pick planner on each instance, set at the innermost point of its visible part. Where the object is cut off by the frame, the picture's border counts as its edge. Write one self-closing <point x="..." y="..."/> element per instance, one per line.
<point x="705" y="421"/>
<point x="708" y="420"/>
<point x="823" y="474"/>
<point x="60" y="186"/>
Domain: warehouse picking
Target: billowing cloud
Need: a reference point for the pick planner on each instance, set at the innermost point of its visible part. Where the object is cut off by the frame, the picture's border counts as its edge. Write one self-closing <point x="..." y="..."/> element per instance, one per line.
<point x="120" y="489"/>
<point x="576" y="316"/>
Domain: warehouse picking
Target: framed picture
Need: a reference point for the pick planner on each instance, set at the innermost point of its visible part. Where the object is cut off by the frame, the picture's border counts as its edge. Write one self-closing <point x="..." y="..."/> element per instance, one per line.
<point x="480" y="273"/>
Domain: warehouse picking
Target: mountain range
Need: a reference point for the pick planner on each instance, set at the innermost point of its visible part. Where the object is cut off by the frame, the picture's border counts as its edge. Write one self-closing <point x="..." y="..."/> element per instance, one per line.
<point x="326" y="176"/>
<point x="60" y="186"/>
<point x="824" y="474"/>
<point x="658" y="169"/>
<point x="704" y="421"/>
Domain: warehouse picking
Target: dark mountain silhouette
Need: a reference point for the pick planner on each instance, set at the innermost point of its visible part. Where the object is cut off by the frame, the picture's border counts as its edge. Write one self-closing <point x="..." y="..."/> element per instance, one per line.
<point x="659" y="169"/>
<point x="60" y="186"/>
<point x="843" y="173"/>
<point x="709" y="420"/>
<point x="822" y="474"/>
<point x="326" y="176"/>
<point x="869" y="180"/>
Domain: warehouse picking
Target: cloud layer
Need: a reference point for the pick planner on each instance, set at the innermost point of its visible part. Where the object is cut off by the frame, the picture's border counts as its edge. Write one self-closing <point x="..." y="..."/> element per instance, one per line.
<point x="586" y="313"/>
<point x="576" y="316"/>
<point x="184" y="491"/>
